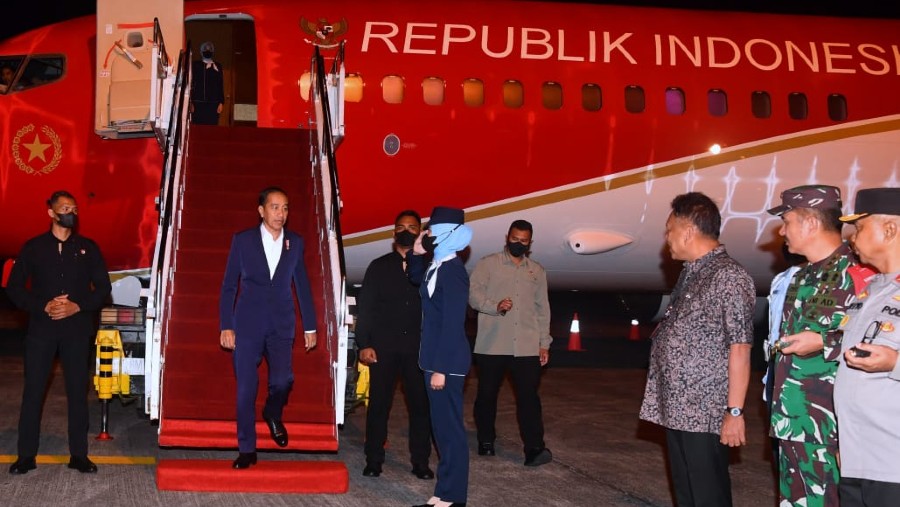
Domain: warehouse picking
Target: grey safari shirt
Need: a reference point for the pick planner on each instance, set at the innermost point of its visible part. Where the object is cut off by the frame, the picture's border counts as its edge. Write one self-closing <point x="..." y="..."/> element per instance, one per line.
<point x="868" y="404"/>
<point x="525" y="329"/>
<point x="711" y="309"/>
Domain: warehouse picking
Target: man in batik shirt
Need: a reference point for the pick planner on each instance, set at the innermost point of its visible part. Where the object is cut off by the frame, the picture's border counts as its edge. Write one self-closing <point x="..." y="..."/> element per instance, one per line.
<point x="803" y="417"/>
<point x="700" y="358"/>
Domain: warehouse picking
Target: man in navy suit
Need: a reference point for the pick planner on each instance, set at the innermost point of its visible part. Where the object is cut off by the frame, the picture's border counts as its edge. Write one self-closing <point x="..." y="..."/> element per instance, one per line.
<point x="259" y="319"/>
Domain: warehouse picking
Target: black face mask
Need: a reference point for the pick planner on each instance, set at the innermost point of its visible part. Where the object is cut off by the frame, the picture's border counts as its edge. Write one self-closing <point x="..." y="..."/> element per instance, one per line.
<point x="516" y="249"/>
<point x="405" y="238"/>
<point x="206" y="54"/>
<point x="428" y="244"/>
<point x="67" y="220"/>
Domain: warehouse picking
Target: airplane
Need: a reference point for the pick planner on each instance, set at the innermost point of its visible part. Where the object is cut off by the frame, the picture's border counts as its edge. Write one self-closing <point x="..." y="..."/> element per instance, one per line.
<point x="583" y="119"/>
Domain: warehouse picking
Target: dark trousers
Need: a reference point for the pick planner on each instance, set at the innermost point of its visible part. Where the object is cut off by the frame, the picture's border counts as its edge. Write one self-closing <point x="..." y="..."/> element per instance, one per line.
<point x="866" y="493"/>
<point x="205" y="113"/>
<point x="526" y="377"/>
<point x="450" y="436"/>
<point x="382" y="384"/>
<point x="699" y="466"/>
<point x="74" y="356"/>
<point x="248" y="353"/>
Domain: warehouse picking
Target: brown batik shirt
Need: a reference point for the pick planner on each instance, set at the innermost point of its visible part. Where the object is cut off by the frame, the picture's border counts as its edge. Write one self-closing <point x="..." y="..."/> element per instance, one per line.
<point x="711" y="309"/>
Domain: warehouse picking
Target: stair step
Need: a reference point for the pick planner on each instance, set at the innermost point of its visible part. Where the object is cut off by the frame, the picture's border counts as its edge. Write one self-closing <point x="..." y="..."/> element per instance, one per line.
<point x="309" y="477"/>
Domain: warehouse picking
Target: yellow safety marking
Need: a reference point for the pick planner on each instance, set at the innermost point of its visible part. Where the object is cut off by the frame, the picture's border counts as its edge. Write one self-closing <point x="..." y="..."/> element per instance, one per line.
<point x="100" y="460"/>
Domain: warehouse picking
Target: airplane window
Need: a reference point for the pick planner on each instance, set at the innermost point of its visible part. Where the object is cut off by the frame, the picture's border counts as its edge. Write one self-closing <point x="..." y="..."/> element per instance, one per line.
<point x="9" y="67"/>
<point x="761" y="103"/>
<point x="797" y="106"/>
<point x="552" y="95"/>
<point x="717" y="102"/>
<point x="473" y="92"/>
<point x="433" y="91"/>
<point x="837" y="107"/>
<point x="674" y="100"/>
<point x="591" y="97"/>
<point x="392" y="89"/>
<point x="305" y="83"/>
<point x="40" y="70"/>
<point x="353" y="88"/>
<point x="634" y="99"/>
<point x="513" y="94"/>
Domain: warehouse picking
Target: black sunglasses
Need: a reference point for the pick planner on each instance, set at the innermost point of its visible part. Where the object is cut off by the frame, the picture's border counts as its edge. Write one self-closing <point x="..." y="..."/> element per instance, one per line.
<point x="871" y="333"/>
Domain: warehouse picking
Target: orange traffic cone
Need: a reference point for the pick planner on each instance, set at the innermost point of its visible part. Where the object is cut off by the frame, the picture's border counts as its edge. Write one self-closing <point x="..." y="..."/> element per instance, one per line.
<point x="635" y="333"/>
<point x="575" y="335"/>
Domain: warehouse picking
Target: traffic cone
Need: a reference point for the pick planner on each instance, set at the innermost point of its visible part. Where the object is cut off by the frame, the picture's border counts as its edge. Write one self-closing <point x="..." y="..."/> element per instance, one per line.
<point x="635" y="333"/>
<point x="575" y="335"/>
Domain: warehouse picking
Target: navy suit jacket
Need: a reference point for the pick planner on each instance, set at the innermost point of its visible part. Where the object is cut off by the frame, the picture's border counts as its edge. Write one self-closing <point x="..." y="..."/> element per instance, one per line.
<point x="263" y="301"/>
<point x="444" y="347"/>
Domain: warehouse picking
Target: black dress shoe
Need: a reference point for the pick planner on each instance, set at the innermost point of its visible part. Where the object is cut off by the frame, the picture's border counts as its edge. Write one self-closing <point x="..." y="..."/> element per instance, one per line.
<point x="22" y="466"/>
<point x="372" y="470"/>
<point x="278" y="431"/>
<point x="538" y="457"/>
<point x="82" y="464"/>
<point x="486" y="449"/>
<point x="422" y="472"/>
<point x="244" y="460"/>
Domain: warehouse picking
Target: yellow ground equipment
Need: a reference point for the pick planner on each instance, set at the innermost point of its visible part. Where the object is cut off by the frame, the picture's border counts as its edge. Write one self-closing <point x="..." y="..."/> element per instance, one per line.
<point x="108" y="380"/>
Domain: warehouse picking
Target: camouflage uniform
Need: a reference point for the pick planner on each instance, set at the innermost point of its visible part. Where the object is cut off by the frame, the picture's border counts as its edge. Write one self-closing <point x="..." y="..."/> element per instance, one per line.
<point x="803" y="410"/>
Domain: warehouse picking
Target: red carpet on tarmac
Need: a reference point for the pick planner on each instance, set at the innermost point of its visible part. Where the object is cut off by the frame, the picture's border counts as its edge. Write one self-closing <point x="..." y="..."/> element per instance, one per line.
<point x="227" y="168"/>
<point x="265" y="477"/>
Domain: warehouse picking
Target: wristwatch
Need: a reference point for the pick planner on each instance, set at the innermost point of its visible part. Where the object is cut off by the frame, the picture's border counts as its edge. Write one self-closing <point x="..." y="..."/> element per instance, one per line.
<point x="734" y="411"/>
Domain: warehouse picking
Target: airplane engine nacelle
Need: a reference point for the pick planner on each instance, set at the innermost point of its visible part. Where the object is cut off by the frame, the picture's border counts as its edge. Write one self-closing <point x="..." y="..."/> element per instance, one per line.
<point x="589" y="242"/>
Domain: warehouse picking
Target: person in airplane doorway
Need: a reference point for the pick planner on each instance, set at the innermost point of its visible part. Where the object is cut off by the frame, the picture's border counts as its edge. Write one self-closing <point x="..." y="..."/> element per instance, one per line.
<point x="700" y="356"/>
<point x="509" y="292"/>
<point x="806" y="357"/>
<point x="445" y="355"/>
<point x="69" y="284"/>
<point x="388" y="331"/>
<point x="259" y="320"/>
<point x="867" y="386"/>
<point x="207" y="87"/>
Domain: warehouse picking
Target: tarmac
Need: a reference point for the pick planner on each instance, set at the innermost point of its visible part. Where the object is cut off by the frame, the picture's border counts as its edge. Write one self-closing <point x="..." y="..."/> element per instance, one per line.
<point x="602" y="454"/>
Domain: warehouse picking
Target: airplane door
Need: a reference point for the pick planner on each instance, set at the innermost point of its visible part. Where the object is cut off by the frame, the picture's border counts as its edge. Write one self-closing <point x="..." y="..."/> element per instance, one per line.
<point x="125" y="67"/>
<point x="234" y="39"/>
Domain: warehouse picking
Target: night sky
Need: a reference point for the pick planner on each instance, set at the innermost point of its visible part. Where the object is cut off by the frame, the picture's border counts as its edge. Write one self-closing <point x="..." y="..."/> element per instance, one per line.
<point x="28" y="15"/>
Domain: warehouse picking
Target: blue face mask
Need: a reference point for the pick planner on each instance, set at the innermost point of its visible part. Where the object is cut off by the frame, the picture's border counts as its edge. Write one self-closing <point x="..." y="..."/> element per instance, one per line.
<point x="430" y="243"/>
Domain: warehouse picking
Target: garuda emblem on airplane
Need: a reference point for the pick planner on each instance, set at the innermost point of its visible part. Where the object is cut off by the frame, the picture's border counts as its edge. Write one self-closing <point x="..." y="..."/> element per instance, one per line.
<point x="32" y="154"/>
<point x="323" y="33"/>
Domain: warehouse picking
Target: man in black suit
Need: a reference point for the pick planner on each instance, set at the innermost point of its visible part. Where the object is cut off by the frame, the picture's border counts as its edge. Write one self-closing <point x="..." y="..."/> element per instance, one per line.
<point x="69" y="284"/>
<point x="388" y="331"/>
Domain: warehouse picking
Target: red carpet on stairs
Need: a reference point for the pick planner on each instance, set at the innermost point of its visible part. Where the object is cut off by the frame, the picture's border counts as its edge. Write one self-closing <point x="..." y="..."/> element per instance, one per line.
<point x="264" y="477"/>
<point x="226" y="169"/>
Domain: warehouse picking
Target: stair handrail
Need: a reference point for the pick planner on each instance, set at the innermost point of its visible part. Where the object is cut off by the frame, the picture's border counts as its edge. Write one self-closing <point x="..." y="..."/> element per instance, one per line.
<point x="161" y="87"/>
<point x="327" y="90"/>
<point x="168" y="202"/>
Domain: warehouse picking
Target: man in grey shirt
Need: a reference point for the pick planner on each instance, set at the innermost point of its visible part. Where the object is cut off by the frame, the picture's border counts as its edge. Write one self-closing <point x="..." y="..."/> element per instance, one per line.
<point x="867" y="386"/>
<point x="509" y="292"/>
